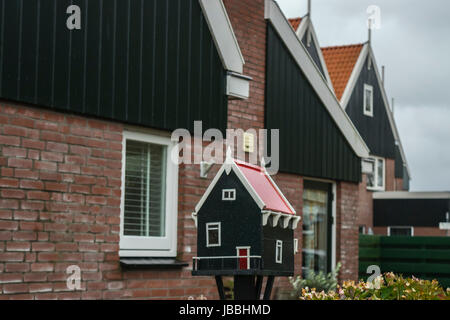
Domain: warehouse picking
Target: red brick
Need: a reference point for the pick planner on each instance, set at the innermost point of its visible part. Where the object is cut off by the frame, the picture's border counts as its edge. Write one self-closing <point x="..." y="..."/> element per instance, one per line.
<point x="57" y="147"/>
<point x="26" y="173"/>
<point x="15" y="288"/>
<point x="8" y="225"/>
<point x="38" y="195"/>
<point x="18" y="246"/>
<point x="45" y="165"/>
<point x="33" y="144"/>
<point x="52" y="156"/>
<point x="42" y="267"/>
<point x="20" y="163"/>
<point x="14" y="152"/>
<point x="11" y="256"/>
<point x="60" y="187"/>
<point x="9" y="183"/>
<point x="24" y="236"/>
<point x="17" y="267"/>
<point x="25" y="215"/>
<point x="15" y="194"/>
<point x="9" y="140"/>
<point x="31" y="184"/>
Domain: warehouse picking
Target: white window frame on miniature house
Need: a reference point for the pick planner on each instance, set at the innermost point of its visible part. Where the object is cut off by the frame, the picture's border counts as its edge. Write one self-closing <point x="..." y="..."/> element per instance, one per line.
<point x="135" y="246"/>
<point x="400" y="227"/>
<point x="231" y="194"/>
<point x="375" y="160"/>
<point x="279" y="251"/>
<point x="219" y="232"/>
<point x="367" y="88"/>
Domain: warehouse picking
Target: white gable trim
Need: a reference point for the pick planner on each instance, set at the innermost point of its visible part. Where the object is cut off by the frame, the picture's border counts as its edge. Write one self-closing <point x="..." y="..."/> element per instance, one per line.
<point x="223" y="35"/>
<point x="315" y="78"/>
<point x="227" y="167"/>
<point x="360" y="64"/>
<point x="354" y="76"/>
<point x="306" y="24"/>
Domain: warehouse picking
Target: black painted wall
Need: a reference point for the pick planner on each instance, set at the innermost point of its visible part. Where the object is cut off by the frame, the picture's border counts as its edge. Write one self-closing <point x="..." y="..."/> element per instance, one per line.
<point x="241" y="220"/>
<point x="312" y="50"/>
<point x="146" y="62"/>
<point x="410" y="212"/>
<point x="311" y="144"/>
<point x="270" y="236"/>
<point x="376" y="131"/>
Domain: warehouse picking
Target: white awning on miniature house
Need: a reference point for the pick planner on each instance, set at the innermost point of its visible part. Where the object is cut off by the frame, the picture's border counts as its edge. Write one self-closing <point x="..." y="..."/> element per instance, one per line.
<point x="266" y="194"/>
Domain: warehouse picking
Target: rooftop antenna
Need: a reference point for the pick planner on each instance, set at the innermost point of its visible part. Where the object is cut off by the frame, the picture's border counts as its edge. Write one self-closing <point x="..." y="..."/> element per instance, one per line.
<point x="370" y="31"/>
<point x="309" y="8"/>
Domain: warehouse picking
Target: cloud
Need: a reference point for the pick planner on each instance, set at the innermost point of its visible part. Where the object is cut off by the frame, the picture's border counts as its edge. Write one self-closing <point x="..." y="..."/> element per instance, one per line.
<point x="413" y="43"/>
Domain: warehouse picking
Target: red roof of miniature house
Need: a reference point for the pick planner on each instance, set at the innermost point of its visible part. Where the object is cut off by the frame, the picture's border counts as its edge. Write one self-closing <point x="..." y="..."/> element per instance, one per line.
<point x="265" y="188"/>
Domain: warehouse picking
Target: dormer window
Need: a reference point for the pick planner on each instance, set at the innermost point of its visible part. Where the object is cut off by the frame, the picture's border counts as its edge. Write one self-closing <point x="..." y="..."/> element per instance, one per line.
<point x="368" y="100"/>
<point x="229" y="194"/>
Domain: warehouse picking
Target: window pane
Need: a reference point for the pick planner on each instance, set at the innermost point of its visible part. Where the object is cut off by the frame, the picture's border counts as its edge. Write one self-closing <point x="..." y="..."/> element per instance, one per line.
<point x="380" y="173"/>
<point x="368" y="100"/>
<point x="371" y="176"/>
<point x="213" y="235"/>
<point x="145" y="186"/>
<point x="401" y="232"/>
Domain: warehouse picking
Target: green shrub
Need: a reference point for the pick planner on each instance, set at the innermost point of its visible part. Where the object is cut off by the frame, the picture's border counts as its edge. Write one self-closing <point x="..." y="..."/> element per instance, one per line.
<point x="386" y="287"/>
<point x="320" y="281"/>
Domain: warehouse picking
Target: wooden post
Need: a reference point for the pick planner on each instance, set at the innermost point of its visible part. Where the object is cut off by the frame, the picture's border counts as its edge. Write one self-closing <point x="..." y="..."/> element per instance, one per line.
<point x="219" y="283"/>
<point x="269" y="285"/>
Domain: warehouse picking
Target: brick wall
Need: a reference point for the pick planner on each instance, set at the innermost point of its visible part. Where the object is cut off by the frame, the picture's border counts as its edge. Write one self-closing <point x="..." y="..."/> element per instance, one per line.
<point x="60" y="206"/>
<point x="390" y="175"/>
<point x="347" y="230"/>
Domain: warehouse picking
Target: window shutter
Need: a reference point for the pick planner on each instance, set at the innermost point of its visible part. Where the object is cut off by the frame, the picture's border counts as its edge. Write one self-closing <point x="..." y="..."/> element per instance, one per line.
<point x="144" y="211"/>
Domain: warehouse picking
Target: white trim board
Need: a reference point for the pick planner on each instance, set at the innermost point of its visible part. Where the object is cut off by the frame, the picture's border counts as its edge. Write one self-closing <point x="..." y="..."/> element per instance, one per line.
<point x="223" y="35"/>
<point x="360" y="63"/>
<point x="315" y="78"/>
<point x="305" y="25"/>
<point x="411" y="195"/>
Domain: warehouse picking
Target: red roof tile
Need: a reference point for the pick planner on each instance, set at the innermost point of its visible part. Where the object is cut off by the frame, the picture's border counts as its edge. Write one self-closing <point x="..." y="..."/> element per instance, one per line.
<point x="264" y="187"/>
<point x="295" y="22"/>
<point x="341" y="61"/>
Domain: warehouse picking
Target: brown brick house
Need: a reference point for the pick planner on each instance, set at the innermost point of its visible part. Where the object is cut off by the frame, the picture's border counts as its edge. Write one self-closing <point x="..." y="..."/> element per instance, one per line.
<point x="83" y="111"/>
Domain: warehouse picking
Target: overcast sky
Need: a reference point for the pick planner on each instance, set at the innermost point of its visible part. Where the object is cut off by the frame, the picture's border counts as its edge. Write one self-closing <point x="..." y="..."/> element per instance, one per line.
<point x="414" y="45"/>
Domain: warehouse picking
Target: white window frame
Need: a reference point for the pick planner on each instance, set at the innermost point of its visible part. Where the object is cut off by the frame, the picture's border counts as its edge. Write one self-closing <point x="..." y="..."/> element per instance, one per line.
<point x="376" y="187"/>
<point x="279" y="248"/>
<point x="132" y="246"/>
<point x="370" y="112"/>
<point x="219" y="231"/>
<point x="400" y="227"/>
<point x="295" y="246"/>
<point x="231" y="192"/>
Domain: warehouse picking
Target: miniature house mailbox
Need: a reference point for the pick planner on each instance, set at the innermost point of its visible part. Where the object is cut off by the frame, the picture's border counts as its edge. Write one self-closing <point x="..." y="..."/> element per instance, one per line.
<point x="245" y="229"/>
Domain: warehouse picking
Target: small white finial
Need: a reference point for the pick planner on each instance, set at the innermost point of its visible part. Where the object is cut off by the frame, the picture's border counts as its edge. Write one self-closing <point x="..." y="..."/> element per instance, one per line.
<point x="263" y="163"/>
<point x="229" y="154"/>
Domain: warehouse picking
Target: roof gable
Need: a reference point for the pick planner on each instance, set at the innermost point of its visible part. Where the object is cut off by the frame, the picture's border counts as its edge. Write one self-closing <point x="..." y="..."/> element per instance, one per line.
<point x="341" y="61"/>
<point x="258" y="183"/>
<point x="325" y="93"/>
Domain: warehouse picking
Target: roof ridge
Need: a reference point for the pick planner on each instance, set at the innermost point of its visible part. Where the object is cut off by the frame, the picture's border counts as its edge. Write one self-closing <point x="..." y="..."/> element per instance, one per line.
<point x="343" y="46"/>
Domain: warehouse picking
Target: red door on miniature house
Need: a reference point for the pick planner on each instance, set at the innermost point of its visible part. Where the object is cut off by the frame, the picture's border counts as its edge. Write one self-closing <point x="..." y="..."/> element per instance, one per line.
<point x="244" y="262"/>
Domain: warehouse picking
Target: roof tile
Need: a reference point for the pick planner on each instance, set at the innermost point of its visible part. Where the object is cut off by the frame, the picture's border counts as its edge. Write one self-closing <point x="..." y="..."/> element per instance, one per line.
<point x="341" y="61"/>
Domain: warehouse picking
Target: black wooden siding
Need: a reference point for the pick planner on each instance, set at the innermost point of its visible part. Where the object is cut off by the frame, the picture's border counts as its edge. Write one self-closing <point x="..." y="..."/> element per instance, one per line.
<point x="410" y="212"/>
<point x="241" y="220"/>
<point x="376" y="131"/>
<point x="311" y="144"/>
<point x="146" y="62"/>
<point x="312" y="50"/>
